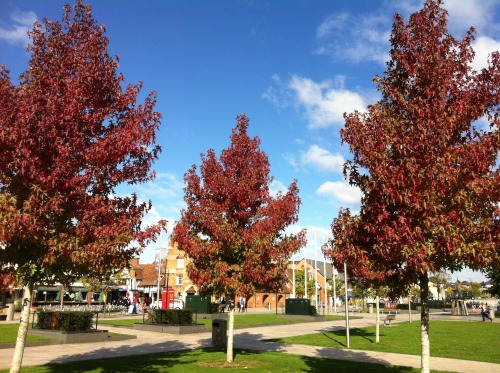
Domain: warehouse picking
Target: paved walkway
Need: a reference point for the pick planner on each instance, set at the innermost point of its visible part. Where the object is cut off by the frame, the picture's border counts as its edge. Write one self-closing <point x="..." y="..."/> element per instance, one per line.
<point x="249" y="338"/>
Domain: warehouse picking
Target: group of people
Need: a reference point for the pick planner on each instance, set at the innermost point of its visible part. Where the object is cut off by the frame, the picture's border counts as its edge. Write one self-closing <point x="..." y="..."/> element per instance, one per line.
<point x="230" y="305"/>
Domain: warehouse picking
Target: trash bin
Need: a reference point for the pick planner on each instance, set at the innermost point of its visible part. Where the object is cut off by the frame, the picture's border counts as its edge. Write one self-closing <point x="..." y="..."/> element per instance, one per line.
<point x="219" y="333"/>
<point x="370" y="308"/>
<point x="492" y="313"/>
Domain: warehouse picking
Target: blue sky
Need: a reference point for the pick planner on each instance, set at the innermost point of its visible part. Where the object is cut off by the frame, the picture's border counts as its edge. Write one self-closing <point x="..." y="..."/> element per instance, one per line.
<point x="294" y="67"/>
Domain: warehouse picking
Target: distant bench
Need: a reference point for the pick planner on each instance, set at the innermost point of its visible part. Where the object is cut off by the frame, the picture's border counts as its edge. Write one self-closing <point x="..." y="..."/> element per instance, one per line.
<point x="389" y="318"/>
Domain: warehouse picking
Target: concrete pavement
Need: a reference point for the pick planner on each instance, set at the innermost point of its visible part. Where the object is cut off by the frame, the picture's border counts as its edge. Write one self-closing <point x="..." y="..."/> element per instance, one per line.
<point x="248" y="338"/>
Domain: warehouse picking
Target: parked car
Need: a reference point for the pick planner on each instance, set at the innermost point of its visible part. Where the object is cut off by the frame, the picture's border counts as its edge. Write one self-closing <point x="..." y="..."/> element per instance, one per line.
<point x="176" y="304"/>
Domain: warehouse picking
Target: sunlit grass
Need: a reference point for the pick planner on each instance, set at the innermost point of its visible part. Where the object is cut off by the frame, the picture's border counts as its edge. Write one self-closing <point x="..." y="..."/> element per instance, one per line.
<point x="457" y="340"/>
<point x="8" y="334"/>
<point x="240" y="320"/>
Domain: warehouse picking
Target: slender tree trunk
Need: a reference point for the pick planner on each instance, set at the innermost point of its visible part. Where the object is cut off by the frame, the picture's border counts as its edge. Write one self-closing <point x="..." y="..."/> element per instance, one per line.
<point x="377" y="320"/>
<point x="424" y="324"/>
<point x="230" y="336"/>
<point x="62" y="296"/>
<point x="17" y="359"/>
<point x="409" y="308"/>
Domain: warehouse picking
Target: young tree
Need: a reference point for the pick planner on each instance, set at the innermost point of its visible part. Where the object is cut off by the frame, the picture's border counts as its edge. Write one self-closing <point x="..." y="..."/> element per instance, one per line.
<point x="69" y="134"/>
<point x="440" y="279"/>
<point x="338" y="286"/>
<point x="232" y="228"/>
<point x="429" y="176"/>
<point x="300" y="283"/>
<point x="493" y="273"/>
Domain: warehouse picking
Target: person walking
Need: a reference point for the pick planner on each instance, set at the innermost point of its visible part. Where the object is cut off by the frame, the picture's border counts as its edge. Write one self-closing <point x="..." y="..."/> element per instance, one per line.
<point x="242" y="305"/>
<point x="484" y="312"/>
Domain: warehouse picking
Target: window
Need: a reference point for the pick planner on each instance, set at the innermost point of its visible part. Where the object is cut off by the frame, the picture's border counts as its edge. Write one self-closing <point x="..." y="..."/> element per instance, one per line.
<point x="180" y="263"/>
<point x="179" y="279"/>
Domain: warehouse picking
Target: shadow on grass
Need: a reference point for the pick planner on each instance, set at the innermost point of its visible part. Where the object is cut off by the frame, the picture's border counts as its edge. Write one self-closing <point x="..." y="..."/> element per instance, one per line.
<point x="164" y="356"/>
<point x="152" y="362"/>
<point x="145" y="357"/>
<point x="319" y="357"/>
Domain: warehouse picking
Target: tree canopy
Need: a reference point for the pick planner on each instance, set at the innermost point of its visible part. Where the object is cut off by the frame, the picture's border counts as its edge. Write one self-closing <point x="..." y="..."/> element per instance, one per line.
<point x="427" y="169"/>
<point x="233" y="228"/>
<point x="70" y="133"/>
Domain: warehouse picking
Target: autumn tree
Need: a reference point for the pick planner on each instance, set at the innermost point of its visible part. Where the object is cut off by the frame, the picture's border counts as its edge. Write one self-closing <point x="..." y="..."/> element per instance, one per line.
<point x="427" y="171"/>
<point x="233" y="228"/>
<point x="70" y="133"/>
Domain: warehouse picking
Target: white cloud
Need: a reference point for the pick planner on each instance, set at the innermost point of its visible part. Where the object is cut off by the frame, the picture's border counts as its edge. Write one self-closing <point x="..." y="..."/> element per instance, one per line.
<point x="464" y="14"/>
<point x="483" y="46"/>
<point x="357" y="38"/>
<point x="323" y="159"/>
<point x="277" y="93"/>
<point x="331" y="25"/>
<point x="18" y="32"/>
<point x="326" y="102"/>
<point x="290" y="158"/>
<point x="277" y="187"/>
<point x="165" y="186"/>
<point x="341" y="193"/>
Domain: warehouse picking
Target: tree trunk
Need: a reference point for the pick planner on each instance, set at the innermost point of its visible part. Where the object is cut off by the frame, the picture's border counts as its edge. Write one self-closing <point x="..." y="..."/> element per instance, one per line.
<point x="230" y="335"/>
<point x="377" y="320"/>
<point x="424" y="324"/>
<point x="17" y="359"/>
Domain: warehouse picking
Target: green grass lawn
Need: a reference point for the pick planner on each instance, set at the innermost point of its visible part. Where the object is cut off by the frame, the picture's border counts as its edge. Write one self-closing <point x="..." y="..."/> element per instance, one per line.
<point x="215" y="361"/>
<point x="8" y="334"/>
<point x="240" y="321"/>
<point x="457" y="340"/>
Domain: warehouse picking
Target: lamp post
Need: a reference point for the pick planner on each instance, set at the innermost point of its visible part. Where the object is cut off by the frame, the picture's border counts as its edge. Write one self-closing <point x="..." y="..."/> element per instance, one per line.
<point x="158" y="253"/>
<point x="348" y="344"/>
<point x="334" y="272"/>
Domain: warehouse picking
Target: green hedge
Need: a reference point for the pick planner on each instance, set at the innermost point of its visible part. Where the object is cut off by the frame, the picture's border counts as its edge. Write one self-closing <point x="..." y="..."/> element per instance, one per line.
<point x="64" y="320"/>
<point x="214" y="307"/>
<point x="171" y="317"/>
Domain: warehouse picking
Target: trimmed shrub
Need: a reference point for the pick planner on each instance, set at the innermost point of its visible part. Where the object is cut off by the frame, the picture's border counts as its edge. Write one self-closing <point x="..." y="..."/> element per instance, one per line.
<point x="313" y="311"/>
<point x="405" y="306"/>
<point x="214" y="307"/>
<point x="171" y="317"/>
<point x="64" y="320"/>
<point x="18" y="305"/>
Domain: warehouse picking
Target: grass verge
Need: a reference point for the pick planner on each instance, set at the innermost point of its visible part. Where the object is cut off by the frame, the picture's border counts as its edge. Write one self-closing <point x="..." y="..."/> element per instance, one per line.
<point x="456" y="340"/>
<point x="8" y="334"/>
<point x="214" y="361"/>
<point x="240" y="321"/>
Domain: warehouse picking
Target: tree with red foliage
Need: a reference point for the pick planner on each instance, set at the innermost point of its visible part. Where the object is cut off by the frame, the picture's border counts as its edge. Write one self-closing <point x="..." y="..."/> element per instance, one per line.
<point x="69" y="135"/>
<point x="233" y="229"/>
<point x="429" y="175"/>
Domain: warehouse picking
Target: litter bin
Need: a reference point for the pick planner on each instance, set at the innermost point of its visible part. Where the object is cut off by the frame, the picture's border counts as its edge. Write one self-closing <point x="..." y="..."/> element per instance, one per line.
<point x="219" y="333"/>
<point x="492" y="313"/>
<point x="370" y="308"/>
